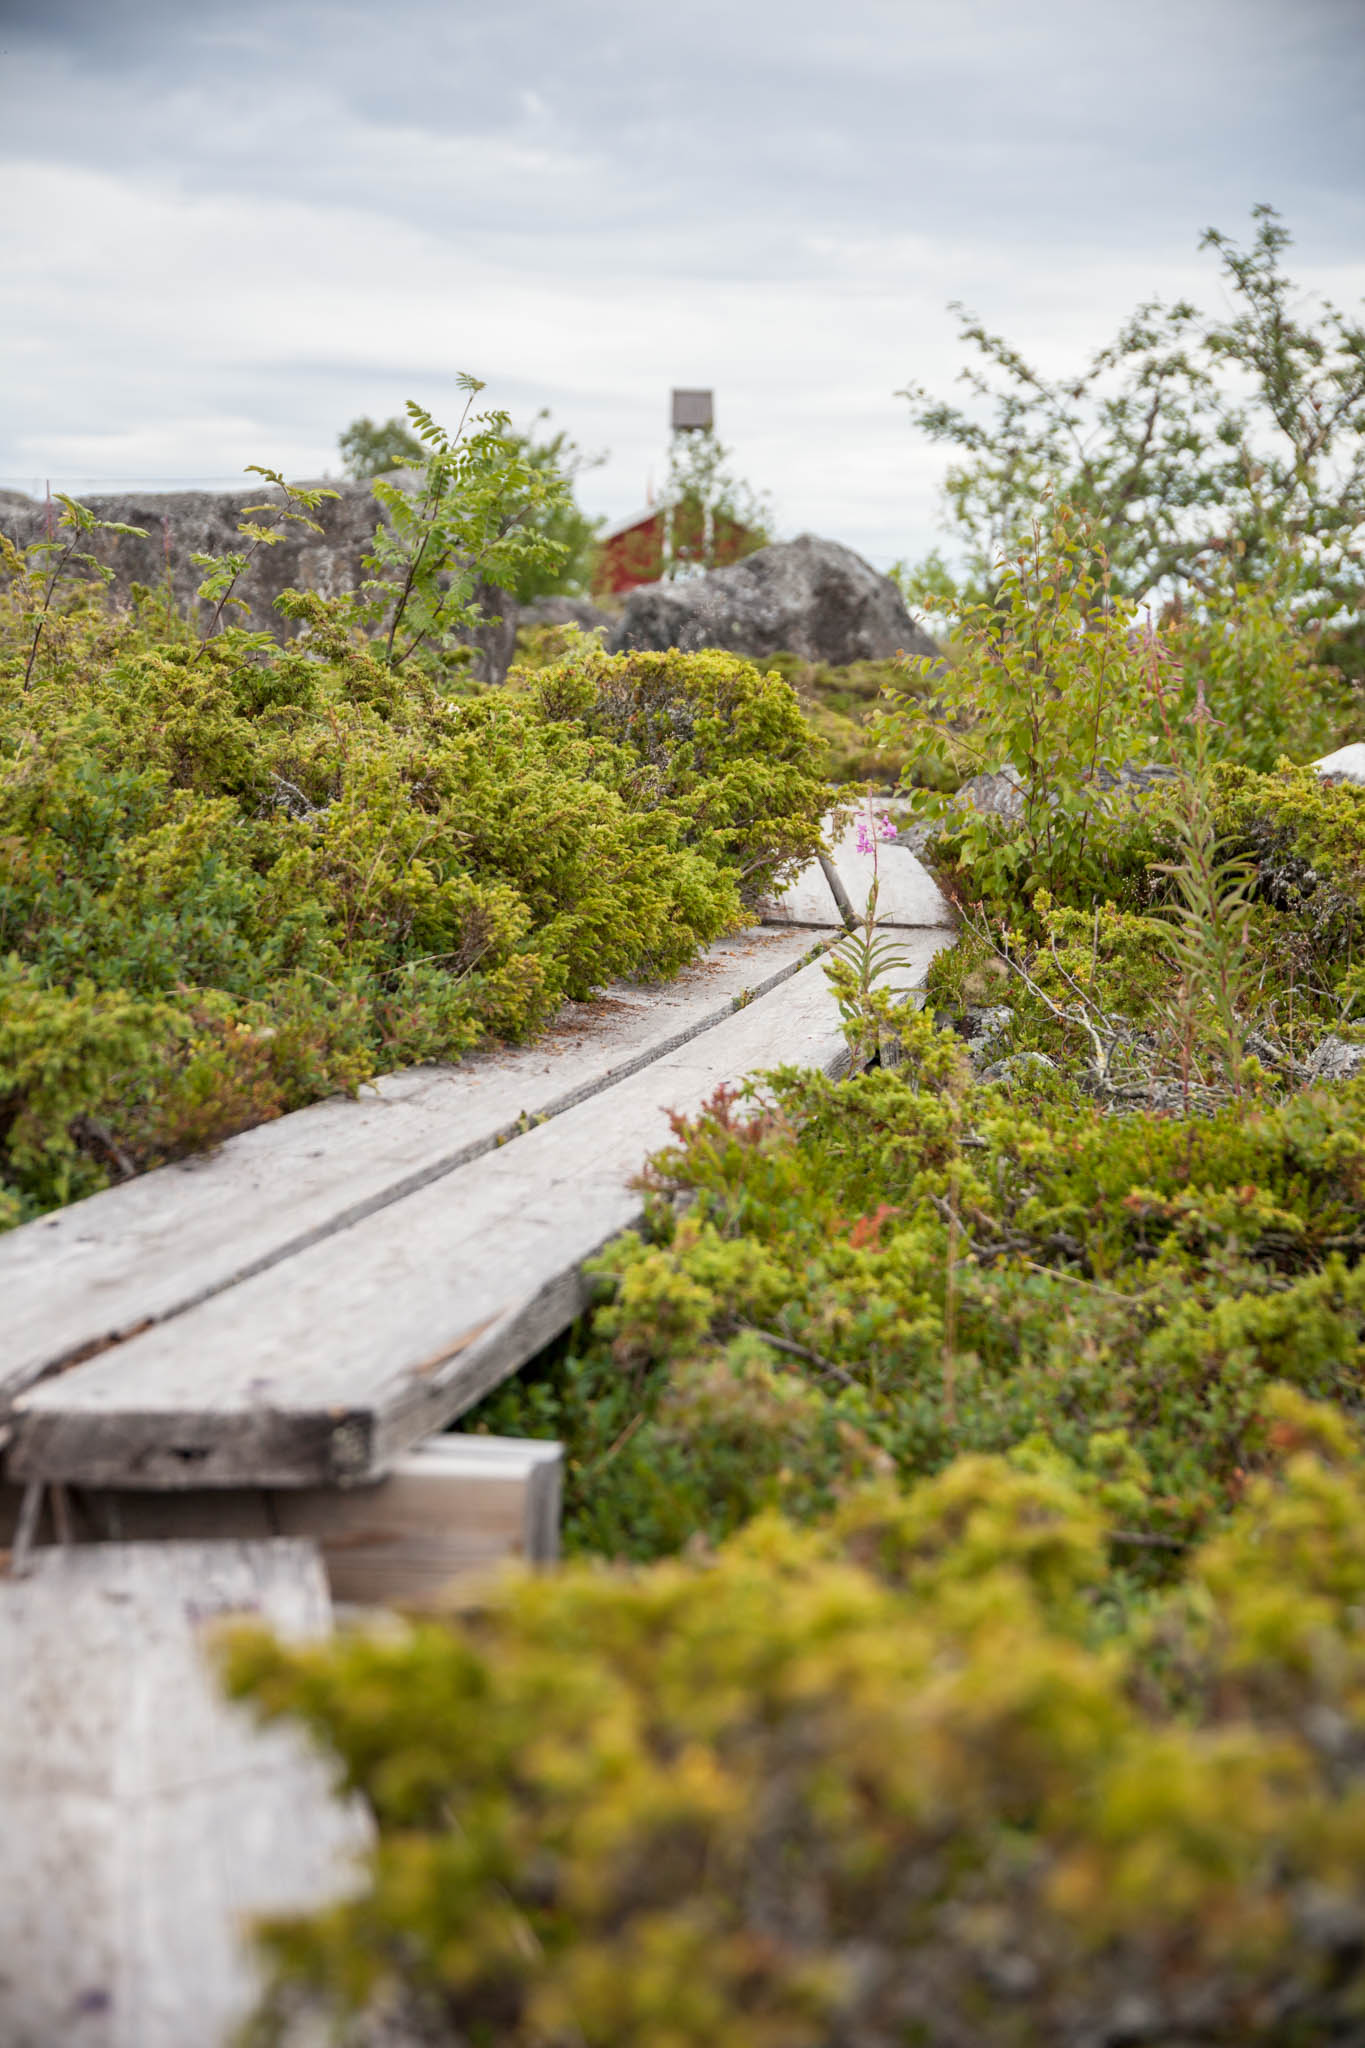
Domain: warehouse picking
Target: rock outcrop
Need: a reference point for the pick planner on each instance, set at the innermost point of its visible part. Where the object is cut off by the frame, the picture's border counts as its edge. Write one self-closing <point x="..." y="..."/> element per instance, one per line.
<point x="181" y="524"/>
<point x="1346" y="765"/>
<point x="566" y="611"/>
<point x="1336" y="1059"/>
<point x="808" y="597"/>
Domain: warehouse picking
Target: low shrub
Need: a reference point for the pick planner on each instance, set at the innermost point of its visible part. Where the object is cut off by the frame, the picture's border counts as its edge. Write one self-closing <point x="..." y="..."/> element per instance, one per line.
<point x="236" y="876"/>
<point x="883" y="1273"/>
<point x="923" y="1774"/>
<point x="968" y="1457"/>
<point x="1127" y="1236"/>
<point x="1070" y="687"/>
<point x="1231" y="883"/>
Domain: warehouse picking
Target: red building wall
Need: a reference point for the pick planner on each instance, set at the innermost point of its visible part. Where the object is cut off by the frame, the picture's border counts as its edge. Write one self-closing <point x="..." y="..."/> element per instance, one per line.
<point x="636" y="555"/>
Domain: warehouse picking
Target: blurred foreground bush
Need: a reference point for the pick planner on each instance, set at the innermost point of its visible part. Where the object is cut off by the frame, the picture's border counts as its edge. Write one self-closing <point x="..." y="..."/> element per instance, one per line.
<point x="918" y="1775"/>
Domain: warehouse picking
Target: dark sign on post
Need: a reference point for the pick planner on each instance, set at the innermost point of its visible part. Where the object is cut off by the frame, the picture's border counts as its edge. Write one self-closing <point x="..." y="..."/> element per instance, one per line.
<point x="693" y="410"/>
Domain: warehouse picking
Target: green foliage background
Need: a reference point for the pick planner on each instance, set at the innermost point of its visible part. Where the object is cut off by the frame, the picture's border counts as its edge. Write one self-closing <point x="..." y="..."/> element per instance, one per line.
<point x="375" y="449"/>
<point x="1187" y="443"/>
<point x="1066" y="684"/>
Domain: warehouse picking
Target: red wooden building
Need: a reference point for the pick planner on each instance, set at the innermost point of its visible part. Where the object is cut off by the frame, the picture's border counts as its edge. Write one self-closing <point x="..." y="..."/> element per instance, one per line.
<point x="638" y="549"/>
<point x="682" y="534"/>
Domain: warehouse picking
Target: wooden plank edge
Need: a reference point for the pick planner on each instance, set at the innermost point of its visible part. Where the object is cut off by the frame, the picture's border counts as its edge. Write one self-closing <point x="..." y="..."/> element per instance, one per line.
<point x="278" y="1447"/>
<point x="412" y="1183"/>
<point x="147" y="1820"/>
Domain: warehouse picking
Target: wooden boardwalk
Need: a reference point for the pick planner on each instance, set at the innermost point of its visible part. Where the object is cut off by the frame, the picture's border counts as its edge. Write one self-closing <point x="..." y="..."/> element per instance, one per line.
<point x="89" y="1276"/>
<point x="302" y="1306"/>
<point x="218" y="1387"/>
<point x="322" y="1365"/>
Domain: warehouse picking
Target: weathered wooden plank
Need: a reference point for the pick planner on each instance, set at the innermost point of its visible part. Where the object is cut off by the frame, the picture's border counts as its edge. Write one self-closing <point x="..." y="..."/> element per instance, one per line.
<point x="143" y="1819"/>
<point x="806" y="900"/>
<point x="450" y="1509"/>
<point x="85" y="1276"/>
<point x="323" y="1370"/>
<point x="907" y="894"/>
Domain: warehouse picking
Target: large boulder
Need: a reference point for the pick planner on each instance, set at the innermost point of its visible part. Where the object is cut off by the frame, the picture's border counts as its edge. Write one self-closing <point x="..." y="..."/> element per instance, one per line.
<point x="808" y="597"/>
<point x="178" y="525"/>
<point x="566" y="611"/>
<point x="181" y="524"/>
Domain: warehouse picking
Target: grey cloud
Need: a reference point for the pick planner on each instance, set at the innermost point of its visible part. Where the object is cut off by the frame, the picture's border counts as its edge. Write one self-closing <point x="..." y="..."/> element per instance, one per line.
<point x="891" y="112"/>
<point x="808" y="183"/>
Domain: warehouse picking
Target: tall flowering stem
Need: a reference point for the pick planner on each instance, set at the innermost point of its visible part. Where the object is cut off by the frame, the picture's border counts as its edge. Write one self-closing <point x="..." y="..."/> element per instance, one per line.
<point x="862" y="957"/>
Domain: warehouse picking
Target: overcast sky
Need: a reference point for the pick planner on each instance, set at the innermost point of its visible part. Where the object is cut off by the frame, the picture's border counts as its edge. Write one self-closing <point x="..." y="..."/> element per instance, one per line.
<point x="229" y="229"/>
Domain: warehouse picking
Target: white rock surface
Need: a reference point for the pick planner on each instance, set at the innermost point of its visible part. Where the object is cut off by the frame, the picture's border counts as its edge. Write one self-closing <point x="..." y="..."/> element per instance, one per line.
<point x="1346" y="765"/>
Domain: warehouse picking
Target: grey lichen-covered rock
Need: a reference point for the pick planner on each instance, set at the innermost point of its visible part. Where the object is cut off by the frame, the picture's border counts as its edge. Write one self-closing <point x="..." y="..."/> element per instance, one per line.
<point x="1336" y="1059"/>
<point x="566" y="611"/>
<point x="181" y="524"/>
<point x="1000" y="795"/>
<point x="984" y="1030"/>
<point x="808" y="597"/>
<point x="495" y="641"/>
<point x="177" y="525"/>
<point x="1019" y="1067"/>
<point x="1003" y="794"/>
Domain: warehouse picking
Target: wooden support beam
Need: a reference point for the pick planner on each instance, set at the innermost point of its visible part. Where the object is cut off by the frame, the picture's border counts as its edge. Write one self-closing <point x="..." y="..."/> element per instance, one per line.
<point x="451" y="1510"/>
<point x="447" y="1514"/>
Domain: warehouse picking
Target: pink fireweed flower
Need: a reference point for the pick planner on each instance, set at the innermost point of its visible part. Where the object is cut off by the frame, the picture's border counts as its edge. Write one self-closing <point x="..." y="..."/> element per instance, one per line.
<point x="872" y="828"/>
